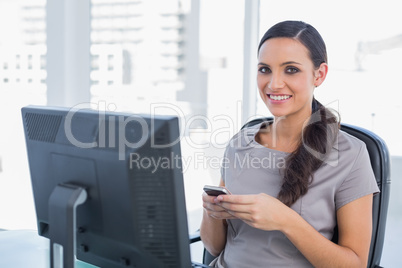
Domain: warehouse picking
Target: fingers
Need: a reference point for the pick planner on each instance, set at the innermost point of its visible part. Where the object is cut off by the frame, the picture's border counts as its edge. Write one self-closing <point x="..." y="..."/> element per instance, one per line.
<point x="214" y="209"/>
<point x="259" y="211"/>
<point x="211" y="203"/>
<point x="237" y="199"/>
<point x="221" y="215"/>
<point x="237" y="203"/>
<point x="209" y="198"/>
<point x="245" y="207"/>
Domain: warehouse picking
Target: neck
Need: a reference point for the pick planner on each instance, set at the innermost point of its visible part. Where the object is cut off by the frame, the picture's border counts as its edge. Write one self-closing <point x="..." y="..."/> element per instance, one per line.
<point x="288" y="130"/>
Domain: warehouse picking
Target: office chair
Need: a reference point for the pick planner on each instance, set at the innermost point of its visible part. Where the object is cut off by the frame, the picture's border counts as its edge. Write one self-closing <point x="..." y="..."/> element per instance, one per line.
<point x="380" y="163"/>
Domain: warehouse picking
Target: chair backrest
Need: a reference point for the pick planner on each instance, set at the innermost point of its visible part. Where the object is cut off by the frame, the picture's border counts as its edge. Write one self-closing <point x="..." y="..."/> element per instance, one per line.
<point x="380" y="163"/>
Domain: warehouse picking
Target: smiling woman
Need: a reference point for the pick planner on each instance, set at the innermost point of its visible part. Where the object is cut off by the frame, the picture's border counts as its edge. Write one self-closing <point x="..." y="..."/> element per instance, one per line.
<point x="288" y="92"/>
<point x="285" y="216"/>
<point x="284" y="83"/>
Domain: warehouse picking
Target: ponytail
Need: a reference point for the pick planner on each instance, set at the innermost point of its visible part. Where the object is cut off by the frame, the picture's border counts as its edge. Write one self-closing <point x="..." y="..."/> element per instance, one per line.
<point x="318" y="138"/>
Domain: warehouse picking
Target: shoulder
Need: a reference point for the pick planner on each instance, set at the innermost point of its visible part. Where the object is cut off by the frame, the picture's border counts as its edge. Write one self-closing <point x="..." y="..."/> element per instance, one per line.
<point x="345" y="150"/>
<point x="349" y="144"/>
<point x="353" y="156"/>
<point x="354" y="169"/>
<point x="244" y="137"/>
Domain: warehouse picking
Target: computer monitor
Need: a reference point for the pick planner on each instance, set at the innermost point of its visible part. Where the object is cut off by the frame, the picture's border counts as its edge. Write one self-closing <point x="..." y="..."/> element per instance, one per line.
<point x="108" y="186"/>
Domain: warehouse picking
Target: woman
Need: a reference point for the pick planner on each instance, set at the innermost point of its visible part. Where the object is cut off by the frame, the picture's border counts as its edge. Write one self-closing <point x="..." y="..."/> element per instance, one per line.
<point x="293" y="180"/>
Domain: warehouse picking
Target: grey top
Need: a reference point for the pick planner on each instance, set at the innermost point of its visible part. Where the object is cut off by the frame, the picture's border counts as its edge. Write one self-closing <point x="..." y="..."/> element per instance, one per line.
<point x="250" y="168"/>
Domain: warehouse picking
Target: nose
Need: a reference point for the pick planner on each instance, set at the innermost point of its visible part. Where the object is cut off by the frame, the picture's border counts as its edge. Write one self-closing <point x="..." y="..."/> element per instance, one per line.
<point x="276" y="82"/>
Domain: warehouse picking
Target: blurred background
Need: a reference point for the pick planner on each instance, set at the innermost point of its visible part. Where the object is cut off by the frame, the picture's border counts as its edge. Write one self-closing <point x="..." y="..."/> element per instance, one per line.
<point x="194" y="59"/>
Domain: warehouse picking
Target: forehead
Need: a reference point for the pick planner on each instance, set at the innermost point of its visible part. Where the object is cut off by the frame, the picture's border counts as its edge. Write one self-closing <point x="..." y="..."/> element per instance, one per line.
<point x="283" y="49"/>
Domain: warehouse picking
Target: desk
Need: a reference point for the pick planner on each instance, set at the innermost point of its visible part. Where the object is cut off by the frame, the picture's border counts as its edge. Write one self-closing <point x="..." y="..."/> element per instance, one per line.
<point x="25" y="248"/>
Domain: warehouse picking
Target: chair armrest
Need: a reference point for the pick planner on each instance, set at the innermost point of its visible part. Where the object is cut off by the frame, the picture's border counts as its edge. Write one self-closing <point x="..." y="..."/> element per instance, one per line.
<point x="195" y="237"/>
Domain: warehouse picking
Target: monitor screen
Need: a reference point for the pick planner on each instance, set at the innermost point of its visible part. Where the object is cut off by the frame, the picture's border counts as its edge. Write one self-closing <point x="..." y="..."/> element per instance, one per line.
<point x="131" y="209"/>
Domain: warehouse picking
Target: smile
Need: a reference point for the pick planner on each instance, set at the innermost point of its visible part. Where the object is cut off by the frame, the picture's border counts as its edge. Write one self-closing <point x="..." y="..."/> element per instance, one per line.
<point x="279" y="97"/>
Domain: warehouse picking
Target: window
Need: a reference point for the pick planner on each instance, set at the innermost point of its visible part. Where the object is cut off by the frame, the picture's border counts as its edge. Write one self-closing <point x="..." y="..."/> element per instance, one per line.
<point x="178" y="58"/>
<point x="22" y="82"/>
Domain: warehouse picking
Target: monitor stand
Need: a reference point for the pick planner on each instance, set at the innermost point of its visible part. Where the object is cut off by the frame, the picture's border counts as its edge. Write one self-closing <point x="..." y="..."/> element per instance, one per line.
<point x="62" y="224"/>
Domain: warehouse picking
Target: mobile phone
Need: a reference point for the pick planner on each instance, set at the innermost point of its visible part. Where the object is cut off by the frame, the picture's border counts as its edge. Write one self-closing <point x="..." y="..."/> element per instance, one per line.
<point x="215" y="190"/>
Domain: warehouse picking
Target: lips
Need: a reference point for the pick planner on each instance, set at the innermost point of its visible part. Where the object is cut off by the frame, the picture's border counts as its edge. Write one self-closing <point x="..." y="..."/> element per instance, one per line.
<point x="279" y="97"/>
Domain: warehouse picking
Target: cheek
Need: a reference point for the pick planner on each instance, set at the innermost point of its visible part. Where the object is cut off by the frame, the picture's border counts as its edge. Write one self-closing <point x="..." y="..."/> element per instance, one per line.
<point x="300" y="85"/>
<point x="261" y="82"/>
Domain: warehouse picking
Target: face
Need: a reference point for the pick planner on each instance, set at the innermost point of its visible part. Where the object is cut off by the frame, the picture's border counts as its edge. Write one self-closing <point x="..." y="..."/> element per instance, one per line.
<point x="287" y="78"/>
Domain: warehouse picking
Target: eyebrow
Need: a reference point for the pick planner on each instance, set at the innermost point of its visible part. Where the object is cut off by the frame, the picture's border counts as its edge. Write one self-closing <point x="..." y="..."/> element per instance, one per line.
<point x="285" y="63"/>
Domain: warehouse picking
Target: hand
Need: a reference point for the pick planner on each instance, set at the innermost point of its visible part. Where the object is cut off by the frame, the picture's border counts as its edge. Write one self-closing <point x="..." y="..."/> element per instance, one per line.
<point x="260" y="211"/>
<point x="214" y="208"/>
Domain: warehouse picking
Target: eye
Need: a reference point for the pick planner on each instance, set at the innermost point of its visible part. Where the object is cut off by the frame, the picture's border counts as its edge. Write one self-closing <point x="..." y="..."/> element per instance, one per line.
<point x="264" y="70"/>
<point x="292" y="70"/>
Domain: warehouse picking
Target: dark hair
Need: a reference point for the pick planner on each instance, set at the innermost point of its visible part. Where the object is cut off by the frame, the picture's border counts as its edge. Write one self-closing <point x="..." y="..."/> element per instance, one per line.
<point x="305" y="34"/>
<point x="320" y="133"/>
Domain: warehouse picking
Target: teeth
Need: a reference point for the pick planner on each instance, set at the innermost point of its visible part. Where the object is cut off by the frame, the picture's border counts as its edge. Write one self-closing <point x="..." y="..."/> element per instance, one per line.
<point x="279" y="97"/>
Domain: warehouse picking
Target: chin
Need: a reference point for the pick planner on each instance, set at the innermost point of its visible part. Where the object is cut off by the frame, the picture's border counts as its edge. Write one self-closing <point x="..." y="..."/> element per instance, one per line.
<point x="275" y="113"/>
